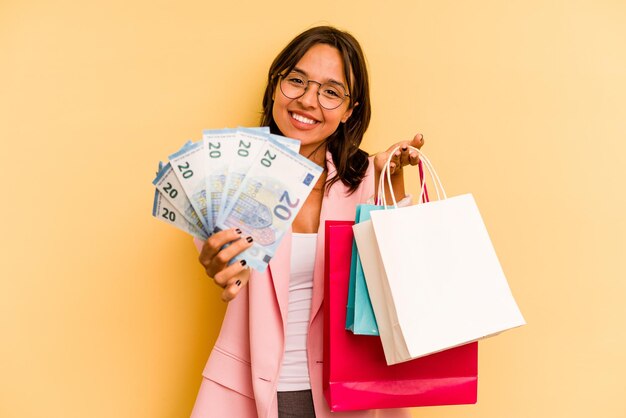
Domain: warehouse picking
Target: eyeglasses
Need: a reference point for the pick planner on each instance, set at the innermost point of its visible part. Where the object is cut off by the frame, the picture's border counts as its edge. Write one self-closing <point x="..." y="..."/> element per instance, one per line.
<point x="329" y="95"/>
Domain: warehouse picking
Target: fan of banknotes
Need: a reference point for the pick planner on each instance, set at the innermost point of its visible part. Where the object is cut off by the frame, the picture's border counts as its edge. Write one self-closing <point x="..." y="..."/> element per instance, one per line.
<point x="242" y="178"/>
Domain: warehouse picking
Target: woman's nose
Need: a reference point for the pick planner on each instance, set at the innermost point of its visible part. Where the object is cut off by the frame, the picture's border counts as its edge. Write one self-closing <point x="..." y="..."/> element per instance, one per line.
<point x="310" y="96"/>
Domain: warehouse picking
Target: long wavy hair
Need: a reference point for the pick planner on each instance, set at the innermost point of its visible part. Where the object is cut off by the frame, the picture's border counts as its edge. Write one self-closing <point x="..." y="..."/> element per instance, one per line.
<point x="350" y="161"/>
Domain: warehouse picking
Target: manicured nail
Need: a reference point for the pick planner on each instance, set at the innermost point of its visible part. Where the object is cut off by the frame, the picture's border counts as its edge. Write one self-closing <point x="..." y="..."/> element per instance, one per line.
<point x="238" y="282"/>
<point x="238" y="231"/>
<point x="242" y="262"/>
<point x="249" y="239"/>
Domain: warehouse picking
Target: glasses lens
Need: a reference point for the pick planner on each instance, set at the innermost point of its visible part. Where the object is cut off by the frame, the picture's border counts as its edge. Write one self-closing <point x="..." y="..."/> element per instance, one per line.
<point x="331" y="96"/>
<point x="293" y="85"/>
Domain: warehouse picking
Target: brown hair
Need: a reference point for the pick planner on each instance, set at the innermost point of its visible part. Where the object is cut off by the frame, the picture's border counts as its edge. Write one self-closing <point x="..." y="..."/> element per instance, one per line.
<point x="343" y="144"/>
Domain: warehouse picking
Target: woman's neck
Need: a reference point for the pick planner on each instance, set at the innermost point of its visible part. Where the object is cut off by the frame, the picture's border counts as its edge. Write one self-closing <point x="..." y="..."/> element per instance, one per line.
<point x="316" y="154"/>
<point x="308" y="219"/>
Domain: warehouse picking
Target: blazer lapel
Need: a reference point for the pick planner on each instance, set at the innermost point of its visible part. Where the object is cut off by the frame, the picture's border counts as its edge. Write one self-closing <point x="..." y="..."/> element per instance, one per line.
<point x="337" y="205"/>
<point x="280" y="271"/>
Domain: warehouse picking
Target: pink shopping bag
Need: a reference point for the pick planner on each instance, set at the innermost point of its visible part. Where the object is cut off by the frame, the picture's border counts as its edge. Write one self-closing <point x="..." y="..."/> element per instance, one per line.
<point x="356" y="375"/>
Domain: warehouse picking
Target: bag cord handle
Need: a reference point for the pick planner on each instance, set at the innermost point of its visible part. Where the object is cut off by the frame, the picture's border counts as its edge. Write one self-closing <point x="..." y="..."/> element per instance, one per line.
<point x="424" y="197"/>
<point x="423" y="193"/>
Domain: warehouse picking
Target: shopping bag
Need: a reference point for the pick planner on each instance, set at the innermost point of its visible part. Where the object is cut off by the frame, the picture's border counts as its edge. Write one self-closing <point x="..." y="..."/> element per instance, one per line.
<point x="356" y="375"/>
<point x="395" y="349"/>
<point x="360" y="317"/>
<point x="444" y="284"/>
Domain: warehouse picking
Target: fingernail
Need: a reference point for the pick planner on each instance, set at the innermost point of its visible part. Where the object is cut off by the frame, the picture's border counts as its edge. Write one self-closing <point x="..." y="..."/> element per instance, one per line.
<point x="404" y="148"/>
<point x="238" y="231"/>
<point x="242" y="262"/>
<point x="249" y="239"/>
<point x="421" y="136"/>
<point x="238" y="282"/>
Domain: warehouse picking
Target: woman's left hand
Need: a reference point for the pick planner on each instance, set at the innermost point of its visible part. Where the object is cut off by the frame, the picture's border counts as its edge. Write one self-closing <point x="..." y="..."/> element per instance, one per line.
<point x="401" y="157"/>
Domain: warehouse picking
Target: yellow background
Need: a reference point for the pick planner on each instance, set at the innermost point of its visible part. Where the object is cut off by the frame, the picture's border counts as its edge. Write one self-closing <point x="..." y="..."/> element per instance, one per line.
<point x="105" y="312"/>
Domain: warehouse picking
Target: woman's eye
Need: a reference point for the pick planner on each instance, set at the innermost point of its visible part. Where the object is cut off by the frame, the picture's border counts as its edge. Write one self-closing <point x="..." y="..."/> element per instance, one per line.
<point x="299" y="81"/>
<point x="330" y="92"/>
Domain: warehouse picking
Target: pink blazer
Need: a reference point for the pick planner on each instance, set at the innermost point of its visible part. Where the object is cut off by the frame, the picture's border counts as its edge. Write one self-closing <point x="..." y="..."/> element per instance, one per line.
<point x="241" y="375"/>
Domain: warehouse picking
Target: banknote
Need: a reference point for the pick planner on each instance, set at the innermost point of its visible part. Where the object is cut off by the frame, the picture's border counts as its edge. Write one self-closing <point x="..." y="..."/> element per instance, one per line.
<point x="169" y="186"/>
<point x="268" y="199"/>
<point x="165" y="211"/>
<point x="219" y="149"/>
<point x="290" y="143"/>
<point x="189" y="166"/>
<point x="249" y="143"/>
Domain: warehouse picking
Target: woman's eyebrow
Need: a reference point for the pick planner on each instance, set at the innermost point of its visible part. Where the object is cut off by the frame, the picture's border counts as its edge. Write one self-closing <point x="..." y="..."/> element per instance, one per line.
<point x="298" y="70"/>
<point x="330" y="80"/>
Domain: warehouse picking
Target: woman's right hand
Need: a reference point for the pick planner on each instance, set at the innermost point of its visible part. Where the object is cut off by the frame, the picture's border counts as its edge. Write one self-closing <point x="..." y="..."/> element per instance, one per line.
<point x="215" y="260"/>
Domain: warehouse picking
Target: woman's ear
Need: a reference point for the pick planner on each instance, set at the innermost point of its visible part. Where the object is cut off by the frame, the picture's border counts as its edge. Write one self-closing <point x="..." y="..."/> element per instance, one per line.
<point x="348" y="113"/>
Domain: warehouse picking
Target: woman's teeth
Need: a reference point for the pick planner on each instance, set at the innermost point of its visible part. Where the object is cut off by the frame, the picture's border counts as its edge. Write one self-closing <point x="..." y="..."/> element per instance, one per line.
<point x="302" y="119"/>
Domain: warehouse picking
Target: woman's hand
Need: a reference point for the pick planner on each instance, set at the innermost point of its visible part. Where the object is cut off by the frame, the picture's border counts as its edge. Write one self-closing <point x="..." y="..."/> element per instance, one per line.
<point x="214" y="258"/>
<point x="403" y="156"/>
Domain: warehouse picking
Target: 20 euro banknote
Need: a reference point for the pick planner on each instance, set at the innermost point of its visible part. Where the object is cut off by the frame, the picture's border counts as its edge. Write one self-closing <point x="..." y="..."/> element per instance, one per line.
<point x="269" y="198"/>
<point x="219" y="149"/>
<point x="188" y="165"/>
<point x="249" y="144"/>
<point x="165" y="211"/>
<point x="168" y="184"/>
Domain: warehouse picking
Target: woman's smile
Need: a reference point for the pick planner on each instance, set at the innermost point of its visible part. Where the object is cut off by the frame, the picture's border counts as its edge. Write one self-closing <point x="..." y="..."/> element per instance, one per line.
<point x="303" y="119"/>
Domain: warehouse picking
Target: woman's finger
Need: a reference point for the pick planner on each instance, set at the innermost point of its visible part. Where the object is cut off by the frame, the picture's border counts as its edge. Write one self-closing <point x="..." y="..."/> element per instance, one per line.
<point x="222" y="258"/>
<point x="224" y="277"/>
<point x="418" y="141"/>
<point x="236" y="283"/>
<point x="214" y="244"/>
<point x="410" y="156"/>
<point x="402" y="156"/>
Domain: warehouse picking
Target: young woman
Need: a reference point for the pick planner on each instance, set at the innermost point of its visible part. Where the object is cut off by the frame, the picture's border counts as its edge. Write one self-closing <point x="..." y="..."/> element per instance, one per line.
<point x="267" y="361"/>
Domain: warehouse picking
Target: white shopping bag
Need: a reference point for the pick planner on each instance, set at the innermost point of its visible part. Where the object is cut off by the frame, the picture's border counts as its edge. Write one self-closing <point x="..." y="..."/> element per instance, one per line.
<point x="442" y="283"/>
<point x="378" y="290"/>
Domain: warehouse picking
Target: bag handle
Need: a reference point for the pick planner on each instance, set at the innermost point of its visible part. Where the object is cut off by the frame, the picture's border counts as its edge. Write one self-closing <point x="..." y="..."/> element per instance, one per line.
<point x="420" y="169"/>
<point x="423" y="193"/>
<point x="381" y="187"/>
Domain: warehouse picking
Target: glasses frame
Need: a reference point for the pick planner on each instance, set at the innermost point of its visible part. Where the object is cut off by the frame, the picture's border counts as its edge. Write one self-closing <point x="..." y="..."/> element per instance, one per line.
<point x="281" y="77"/>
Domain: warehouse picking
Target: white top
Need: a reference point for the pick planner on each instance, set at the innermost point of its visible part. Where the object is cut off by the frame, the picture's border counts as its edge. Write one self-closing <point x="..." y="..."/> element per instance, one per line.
<point x="294" y="372"/>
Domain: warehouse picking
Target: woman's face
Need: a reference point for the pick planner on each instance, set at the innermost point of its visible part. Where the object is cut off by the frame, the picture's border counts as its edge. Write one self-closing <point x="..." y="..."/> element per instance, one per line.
<point x="303" y="118"/>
